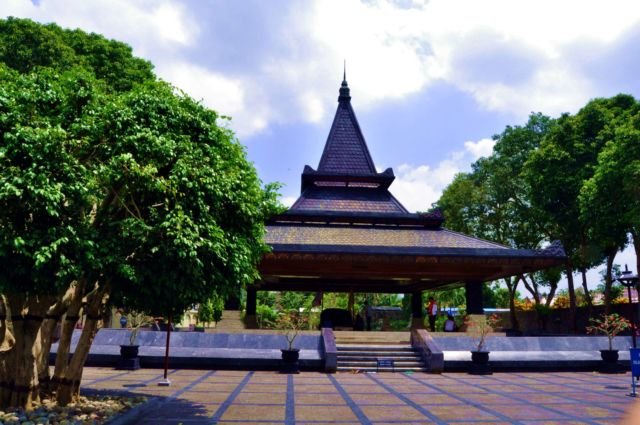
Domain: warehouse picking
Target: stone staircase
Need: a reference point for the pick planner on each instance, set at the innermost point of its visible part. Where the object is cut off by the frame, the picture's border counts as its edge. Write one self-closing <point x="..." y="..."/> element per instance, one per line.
<point x="231" y="321"/>
<point x="376" y="352"/>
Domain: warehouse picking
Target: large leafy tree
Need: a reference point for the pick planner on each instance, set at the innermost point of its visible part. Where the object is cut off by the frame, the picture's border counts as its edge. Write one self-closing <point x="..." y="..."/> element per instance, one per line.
<point x="113" y="186"/>
<point x="556" y="173"/>
<point x="610" y="199"/>
<point x="491" y="201"/>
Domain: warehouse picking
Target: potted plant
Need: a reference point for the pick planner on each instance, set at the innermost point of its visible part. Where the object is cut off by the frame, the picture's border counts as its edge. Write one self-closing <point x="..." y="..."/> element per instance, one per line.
<point x="610" y="325"/>
<point x="291" y="323"/>
<point x="129" y="359"/>
<point x="479" y="327"/>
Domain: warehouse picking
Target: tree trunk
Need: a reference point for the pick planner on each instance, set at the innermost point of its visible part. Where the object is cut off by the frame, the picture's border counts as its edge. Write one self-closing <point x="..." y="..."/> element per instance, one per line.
<point x="573" y="325"/>
<point x="26" y="317"/>
<point x="552" y="294"/>
<point x="71" y="317"/>
<point x="608" y="282"/>
<point x="532" y="288"/>
<point x="69" y="385"/>
<point x="587" y="294"/>
<point x="7" y="342"/>
<point x="513" y="287"/>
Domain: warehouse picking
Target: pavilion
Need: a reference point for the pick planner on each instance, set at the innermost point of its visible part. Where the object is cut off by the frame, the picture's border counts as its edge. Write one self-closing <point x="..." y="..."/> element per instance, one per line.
<point x="347" y="233"/>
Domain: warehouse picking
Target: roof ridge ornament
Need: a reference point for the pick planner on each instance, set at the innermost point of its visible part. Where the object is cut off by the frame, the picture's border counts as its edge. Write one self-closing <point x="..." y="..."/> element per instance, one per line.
<point x="345" y="93"/>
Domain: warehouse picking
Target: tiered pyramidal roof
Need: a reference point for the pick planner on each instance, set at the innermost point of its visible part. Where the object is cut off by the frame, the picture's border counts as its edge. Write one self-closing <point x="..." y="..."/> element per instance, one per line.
<point x="346" y="178"/>
<point x="346" y="230"/>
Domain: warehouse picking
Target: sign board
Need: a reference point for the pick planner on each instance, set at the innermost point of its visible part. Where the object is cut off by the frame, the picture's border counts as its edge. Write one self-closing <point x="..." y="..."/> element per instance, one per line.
<point x="385" y="363"/>
<point x="635" y="362"/>
<point x="634" y="356"/>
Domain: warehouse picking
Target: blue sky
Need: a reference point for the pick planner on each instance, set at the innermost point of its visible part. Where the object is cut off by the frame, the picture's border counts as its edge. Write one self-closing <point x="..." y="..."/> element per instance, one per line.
<point x="431" y="81"/>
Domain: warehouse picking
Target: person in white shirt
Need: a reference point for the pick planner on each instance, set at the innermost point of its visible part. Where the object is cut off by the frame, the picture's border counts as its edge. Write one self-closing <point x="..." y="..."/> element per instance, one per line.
<point x="449" y="324"/>
<point x="432" y="312"/>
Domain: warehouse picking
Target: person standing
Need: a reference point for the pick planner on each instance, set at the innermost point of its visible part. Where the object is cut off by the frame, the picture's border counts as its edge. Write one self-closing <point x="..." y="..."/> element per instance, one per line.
<point x="432" y="313"/>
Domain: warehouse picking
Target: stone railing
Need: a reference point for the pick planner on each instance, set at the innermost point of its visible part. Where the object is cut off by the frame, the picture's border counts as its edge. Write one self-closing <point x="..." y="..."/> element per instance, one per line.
<point x="431" y="354"/>
<point x="330" y="350"/>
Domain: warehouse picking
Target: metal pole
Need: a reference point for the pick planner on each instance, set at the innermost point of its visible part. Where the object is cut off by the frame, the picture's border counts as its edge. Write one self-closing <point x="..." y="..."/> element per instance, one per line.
<point x="166" y="381"/>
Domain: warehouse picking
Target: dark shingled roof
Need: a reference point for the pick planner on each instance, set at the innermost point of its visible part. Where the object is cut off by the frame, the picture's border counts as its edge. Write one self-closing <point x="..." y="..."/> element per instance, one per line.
<point x="308" y="234"/>
<point x="346" y="151"/>
<point x="357" y="199"/>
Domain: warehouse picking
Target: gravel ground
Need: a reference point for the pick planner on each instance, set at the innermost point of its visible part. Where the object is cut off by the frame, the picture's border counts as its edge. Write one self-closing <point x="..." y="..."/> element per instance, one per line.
<point x="89" y="410"/>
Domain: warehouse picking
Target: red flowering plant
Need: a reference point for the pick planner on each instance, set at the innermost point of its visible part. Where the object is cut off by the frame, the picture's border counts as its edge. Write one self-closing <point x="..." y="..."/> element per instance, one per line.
<point x="479" y="327"/>
<point x="608" y="324"/>
<point x="291" y="323"/>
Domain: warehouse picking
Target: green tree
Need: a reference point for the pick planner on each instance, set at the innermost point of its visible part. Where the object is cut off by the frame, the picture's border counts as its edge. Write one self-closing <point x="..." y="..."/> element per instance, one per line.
<point x="113" y="188"/>
<point x="491" y="202"/>
<point x="556" y="173"/>
<point x="610" y="198"/>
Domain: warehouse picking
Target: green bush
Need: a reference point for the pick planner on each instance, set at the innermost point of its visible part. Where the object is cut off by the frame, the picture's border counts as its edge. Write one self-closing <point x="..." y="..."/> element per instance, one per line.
<point x="266" y="317"/>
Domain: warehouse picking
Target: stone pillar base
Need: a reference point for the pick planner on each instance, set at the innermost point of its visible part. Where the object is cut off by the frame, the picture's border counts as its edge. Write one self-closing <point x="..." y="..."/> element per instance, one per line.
<point x="250" y="321"/>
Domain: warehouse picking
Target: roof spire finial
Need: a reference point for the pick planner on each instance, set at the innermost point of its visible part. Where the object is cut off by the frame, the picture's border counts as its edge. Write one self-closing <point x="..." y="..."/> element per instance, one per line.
<point x="344" y="87"/>
<point x="344" y="74"/>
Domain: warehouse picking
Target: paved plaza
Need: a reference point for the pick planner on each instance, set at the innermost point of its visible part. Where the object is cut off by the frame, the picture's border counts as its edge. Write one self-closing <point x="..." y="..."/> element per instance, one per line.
<point x="246" y="397"/>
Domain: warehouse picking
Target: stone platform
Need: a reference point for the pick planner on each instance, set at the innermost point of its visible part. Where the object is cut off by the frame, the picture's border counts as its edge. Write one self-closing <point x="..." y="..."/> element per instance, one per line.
<point x="260" y="350"/>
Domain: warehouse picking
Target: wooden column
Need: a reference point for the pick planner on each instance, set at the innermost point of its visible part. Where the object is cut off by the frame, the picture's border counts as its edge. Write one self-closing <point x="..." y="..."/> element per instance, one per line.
<point x="417" y="316"/>
<point x="250" y="318"/>
<point x="473" y="293"/>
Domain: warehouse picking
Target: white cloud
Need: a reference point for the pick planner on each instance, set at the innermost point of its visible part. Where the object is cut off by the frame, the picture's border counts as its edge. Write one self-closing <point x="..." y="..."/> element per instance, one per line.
<point x="393" y="50"/>
<point x="147" y="25"/>
<point x="287" y="201"/>
<point x="481" y="148"/>
<point x="417" y="187"/>
<point x="223" y="94"/>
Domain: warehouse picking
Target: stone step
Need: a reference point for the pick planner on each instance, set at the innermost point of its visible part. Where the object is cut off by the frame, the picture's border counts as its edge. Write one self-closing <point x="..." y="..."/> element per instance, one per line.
<point x="371" y="342"/>
<point x="361" y="357"/>
<point x="230" y="320"/>
<point x="375" y="348"/>
<point x="364" y="363"/>
<point x="372" y="338"/>
<point x="371" y="357"/>
<point x="382" y="369"/>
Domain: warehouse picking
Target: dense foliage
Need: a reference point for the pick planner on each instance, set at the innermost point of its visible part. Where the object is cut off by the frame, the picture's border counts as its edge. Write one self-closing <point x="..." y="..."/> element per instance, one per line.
<point x="572" y="179"/>
<point x="114" y="188"/>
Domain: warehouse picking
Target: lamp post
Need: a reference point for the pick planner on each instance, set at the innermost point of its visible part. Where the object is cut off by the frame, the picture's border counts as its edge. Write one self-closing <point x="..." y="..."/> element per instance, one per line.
<point x="629" y="280"/>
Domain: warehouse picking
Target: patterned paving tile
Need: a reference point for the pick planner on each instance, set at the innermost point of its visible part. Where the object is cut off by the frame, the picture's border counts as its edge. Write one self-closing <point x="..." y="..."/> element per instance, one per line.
<point x="334" y="413"/>
<point x="328" y="399"/>
<point x="252" y="413"/>
<point x="450" y="413"/>
<point x="240" y="397"/>
<point x="246" y="397"/>
<point x="318" y="388"/>
<point x="427" y="399"/>
<point x="364" y="399"/>
<point x="528" y="412"/>
<point x="382" y="413"/>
